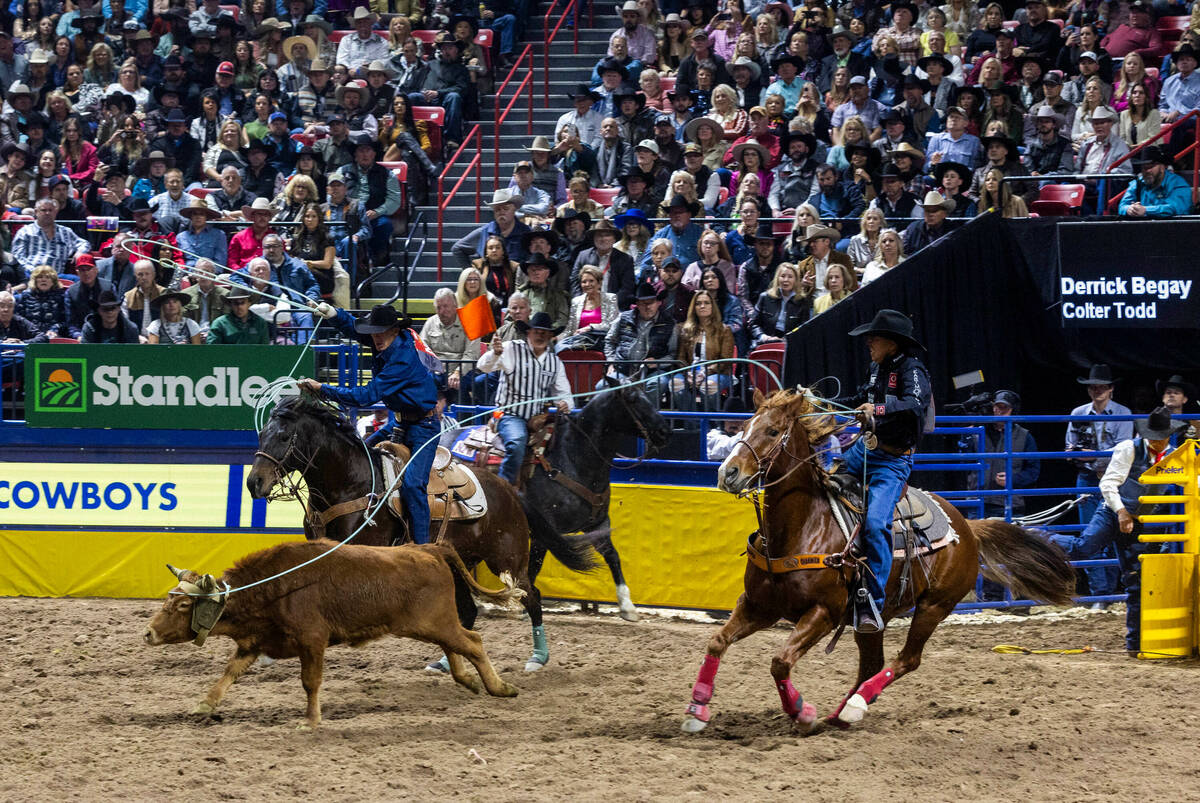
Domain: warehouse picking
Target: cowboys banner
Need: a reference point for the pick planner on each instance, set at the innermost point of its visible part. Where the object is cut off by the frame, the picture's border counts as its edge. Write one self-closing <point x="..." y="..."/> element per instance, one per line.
<point x="1107" y="282"/>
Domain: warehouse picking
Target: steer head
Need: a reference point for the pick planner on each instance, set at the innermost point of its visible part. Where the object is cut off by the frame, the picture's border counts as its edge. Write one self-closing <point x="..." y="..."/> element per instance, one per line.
<point x="189" y="613"/>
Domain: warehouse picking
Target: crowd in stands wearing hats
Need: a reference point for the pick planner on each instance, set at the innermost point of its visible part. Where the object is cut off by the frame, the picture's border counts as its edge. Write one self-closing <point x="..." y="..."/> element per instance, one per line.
<point x="163" y="118"/>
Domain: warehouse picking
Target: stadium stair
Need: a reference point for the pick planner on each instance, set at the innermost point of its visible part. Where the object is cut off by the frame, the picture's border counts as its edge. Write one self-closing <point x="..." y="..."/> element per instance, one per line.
<point x="567" y="69"/>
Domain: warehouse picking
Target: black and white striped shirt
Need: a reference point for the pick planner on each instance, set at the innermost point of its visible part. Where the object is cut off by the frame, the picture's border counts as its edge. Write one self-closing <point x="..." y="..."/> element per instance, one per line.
<point x="525" y="378"/>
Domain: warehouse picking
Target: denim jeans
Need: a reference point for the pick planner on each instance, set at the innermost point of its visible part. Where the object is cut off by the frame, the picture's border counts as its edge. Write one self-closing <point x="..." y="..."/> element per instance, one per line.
<point x="1101" y="579"/>
<point x="886" y="478"/>
<point x="505" y="28"/>
<point x="514" y="432"/>
<point x="416" y="475"/>
<point x="1101" y="535"/>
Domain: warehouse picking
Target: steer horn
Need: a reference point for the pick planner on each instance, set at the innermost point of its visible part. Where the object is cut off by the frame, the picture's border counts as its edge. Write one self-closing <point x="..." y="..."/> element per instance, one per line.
<point x="179" y="573"/>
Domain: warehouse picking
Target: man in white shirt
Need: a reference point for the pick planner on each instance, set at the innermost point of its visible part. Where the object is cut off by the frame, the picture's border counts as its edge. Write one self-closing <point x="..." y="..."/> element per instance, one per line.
<point x="364" y="47"/>
<point x="1115" y="522"/>
<point x="443" y="333"/>
<point x="585" y="118"/>
<point x="531" y="378"/>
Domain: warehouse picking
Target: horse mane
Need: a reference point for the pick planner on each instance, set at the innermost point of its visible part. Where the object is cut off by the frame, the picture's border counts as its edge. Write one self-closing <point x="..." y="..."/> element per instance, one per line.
<point x="808" y="410"/>
<point x="307" y="404"/>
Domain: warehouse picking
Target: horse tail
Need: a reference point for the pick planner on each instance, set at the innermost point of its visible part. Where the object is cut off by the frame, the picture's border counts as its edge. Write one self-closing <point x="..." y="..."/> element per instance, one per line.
<point x="1033" y="568"/>
<point x="576" y="553"/>
<point x="508" y="597"/>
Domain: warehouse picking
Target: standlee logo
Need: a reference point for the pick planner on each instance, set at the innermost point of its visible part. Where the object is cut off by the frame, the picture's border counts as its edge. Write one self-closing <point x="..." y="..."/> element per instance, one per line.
<point x="61" y="385"/>
<point x="222" y="387"/>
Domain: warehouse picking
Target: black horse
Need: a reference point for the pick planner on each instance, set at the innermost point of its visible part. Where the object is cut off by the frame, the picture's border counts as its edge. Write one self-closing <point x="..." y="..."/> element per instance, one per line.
<point x="341" y="473"/>
<point x="583" y="450"/>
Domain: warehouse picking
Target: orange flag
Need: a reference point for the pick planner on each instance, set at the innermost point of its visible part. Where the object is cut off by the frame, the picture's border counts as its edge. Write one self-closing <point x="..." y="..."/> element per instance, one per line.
<point x="476" y="317"/>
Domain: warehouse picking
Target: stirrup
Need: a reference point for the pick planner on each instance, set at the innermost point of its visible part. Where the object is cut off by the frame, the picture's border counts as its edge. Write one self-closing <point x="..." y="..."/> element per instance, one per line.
<point x="867" y="618"/>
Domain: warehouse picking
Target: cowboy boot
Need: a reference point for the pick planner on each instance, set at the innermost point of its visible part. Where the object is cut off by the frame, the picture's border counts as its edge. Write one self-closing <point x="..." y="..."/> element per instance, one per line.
<point x="867" y="618"/>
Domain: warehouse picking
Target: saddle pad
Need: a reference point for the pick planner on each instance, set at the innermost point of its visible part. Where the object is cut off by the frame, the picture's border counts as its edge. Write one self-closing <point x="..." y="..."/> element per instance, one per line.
<point x="467" y="499"/>
<point x="917" y="511"/>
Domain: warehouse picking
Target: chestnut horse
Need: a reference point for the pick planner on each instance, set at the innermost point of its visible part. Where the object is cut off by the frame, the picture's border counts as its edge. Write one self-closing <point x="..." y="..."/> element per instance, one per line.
<point x="777" y="456"/>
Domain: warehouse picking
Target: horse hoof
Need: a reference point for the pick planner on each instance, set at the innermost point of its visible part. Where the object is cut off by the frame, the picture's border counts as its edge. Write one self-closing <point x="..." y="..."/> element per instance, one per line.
<point x="441" y="666"/>
<point x="630" y="614"/>
<point x="533" y="665"/>
<point x="203" y="709"/>
<point x="692" y="725"/>
<point x="807" y="715"/>
<point x="854" y="710"/>
<point x="506" y="690"/>
<point x="263" y="661"/>
<point x="625" y="602"/>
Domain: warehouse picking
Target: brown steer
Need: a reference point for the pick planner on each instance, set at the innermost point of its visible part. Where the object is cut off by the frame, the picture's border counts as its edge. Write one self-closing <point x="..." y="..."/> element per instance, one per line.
<point x="352" y="595"/>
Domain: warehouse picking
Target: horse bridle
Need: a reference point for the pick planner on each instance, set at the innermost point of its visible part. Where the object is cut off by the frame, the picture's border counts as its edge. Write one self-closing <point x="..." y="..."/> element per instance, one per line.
<point x="282" y="472"/>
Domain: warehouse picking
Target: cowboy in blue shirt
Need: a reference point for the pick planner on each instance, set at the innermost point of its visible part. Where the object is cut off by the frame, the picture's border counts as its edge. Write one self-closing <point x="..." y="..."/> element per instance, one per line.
<point x="1157" y="192"/>
<point x="402" y="382"/>
<point x="894" y="399"/>
<point x="682" y="233"/>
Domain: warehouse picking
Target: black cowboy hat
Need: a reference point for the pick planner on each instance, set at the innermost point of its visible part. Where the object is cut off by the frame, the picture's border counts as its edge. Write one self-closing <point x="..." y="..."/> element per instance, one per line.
<point x="542" y="261"/>
<point x="947" y="66"/>
<point x="1002" y="139"/>
<point x="891" y="324"/>
<point x="539" y="320"/>
<point x="1158" y="426"/>
<point x="1176" y="381"/>
<point x="108" y="300"/>
<point x="679" y="202"/>
<point x="977" y="91"/>
<point x="874" y="157"/>
<point x="646" y="291"/>
<point x="912" y="9"/>
<point x="912" y="80"/>
<point x="612" y="65"/>
<point x="1185" y="49"/>
<point x="890" y="170"/>
<point x="583" y="90"/>
<point x="624" y="178"/>
<point x="787" y="58"/>
<point x="124" y="99"/>
<point x="679" y="92"/>
<point x="1038" y="60"/>
<point x="381" y="318"/>
<point x="16" y="147"/>
<point x="1100" y="374"/>
<point x="472" y="21"/>
<point x="183" y="298"/>
<point x="940" y="169"/>
<point x="1149" y="155"/>
<point x="798" y="136"/>
<point x="560" y="222"/>
<point x="620" y="95"/>
<point x="141" y="204"/>
<point x="549" y="235"/>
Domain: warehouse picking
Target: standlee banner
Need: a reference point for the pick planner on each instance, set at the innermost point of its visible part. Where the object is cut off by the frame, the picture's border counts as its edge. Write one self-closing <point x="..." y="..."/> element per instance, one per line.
<point x="1106" y="284"/>
<point x="153" y="387"/>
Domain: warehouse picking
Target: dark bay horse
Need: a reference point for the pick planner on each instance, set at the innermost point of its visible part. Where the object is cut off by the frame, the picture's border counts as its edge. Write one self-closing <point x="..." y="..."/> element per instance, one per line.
<point x="320" y="443"/>
<point x="777" y="454"/>
<point x="584" y="447"/>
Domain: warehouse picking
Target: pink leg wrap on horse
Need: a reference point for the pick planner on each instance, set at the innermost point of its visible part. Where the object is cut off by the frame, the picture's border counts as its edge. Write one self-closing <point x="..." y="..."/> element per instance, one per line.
<point x="702" y="692"/>
<point x="789" y="697"/>
<point x="871" y="687"/>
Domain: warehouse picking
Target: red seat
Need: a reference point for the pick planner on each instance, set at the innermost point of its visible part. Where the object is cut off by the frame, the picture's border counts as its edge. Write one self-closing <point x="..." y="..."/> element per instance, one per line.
<point x="1010" y="25"/>
<point x="436" y="117"/>
<point x="667" y="82"/>
<point x="781" y="228"/>
<point x="62" y="341"/>
<point x="1153" y="73"/>
<point x="337" y="36"/>
<point x="1059" y="199"/>
<point x="770" y="355"/>
<point x="722" y="196"/>
<point x="65" y="283"/>
<point x="584" y="369"/>
<point x="305" y="139"/>
<point x="1060" y="23"/>
<point x="604" y="195"/>
<point x="1179" y="24"/>
<point x="484" y="39"/>
<point x="400" y="171"/>
<point x="234" y="10"/>
<point x="426" y="38"/>
<point x="201" y="192"/>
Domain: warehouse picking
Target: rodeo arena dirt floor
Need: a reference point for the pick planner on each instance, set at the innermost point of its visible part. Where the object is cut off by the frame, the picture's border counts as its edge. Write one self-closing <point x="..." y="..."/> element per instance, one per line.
<point x="88" y="712"/>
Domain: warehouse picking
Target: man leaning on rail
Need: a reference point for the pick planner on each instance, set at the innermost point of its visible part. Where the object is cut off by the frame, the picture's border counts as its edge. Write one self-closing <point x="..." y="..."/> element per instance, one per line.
<point x="405" y="385"/>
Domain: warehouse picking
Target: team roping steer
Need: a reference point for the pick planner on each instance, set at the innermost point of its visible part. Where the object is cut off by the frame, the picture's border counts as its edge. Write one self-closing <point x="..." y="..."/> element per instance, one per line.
<point x="351" y="595"/>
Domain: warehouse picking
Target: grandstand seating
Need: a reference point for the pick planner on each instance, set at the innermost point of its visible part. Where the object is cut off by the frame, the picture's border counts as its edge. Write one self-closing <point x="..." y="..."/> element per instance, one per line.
<point x="1059" y="199"/>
